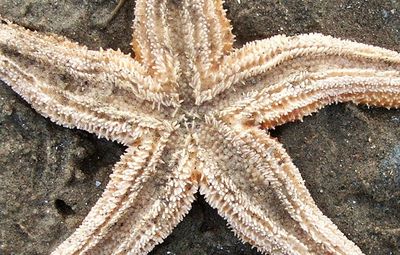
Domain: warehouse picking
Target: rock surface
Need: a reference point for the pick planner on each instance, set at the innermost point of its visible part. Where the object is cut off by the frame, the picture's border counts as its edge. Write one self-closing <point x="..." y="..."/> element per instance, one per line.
<point x="349" y="156"/>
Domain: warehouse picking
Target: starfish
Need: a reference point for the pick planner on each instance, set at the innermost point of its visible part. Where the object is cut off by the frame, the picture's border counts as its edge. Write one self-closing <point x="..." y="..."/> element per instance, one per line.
<point x="194" y="114"/>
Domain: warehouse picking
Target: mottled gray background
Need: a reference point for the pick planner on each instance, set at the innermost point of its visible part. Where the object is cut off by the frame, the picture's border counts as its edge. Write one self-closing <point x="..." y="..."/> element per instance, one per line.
<point x="349" y="156"/>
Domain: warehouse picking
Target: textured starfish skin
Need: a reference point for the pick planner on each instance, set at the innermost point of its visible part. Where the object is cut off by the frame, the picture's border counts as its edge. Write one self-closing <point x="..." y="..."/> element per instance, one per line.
<point x="191" y="111"/>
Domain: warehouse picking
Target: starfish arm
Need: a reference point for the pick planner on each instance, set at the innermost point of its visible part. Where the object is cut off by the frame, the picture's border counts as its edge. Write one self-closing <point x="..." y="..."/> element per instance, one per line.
<point x="152" y="41"/>
<point x="150" y="191"/>
<point x="207" y="38"/>
<point x="253" y="183"/>
<point x="101" y="92"/>
<point x="369" y="87"/>
<point x="164" y="29"/>
<point x="307" y="65"/>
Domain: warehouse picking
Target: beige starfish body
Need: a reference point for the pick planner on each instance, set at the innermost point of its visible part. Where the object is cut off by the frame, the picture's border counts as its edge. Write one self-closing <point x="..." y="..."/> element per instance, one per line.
<point x="191" y="110"/>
